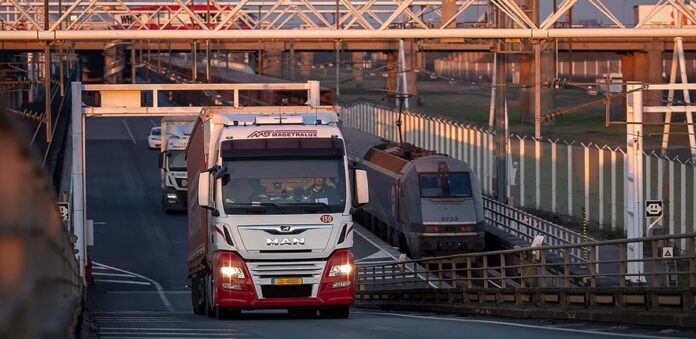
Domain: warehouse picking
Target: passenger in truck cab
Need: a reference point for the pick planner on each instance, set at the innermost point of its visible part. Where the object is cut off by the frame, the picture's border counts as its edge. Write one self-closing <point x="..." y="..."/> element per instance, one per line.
<point x="322" y="192"/>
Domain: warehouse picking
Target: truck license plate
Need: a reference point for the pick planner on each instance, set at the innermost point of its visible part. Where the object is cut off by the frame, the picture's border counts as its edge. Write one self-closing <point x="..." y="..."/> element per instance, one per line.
<point x="287" y="281"/>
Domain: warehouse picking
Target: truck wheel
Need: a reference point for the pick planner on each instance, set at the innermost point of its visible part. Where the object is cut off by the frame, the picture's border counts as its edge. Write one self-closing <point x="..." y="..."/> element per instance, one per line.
<point x="197" y="302"/>
<point x="340" y="312"/>
<point x="209" y="298"/>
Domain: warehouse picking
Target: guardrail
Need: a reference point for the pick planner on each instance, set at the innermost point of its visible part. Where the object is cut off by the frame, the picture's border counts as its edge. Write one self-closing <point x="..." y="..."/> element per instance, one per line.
<point x="536" y="267"/>
<point x="534" y="282"/>
<point x="527" y="226"/>
<point x="40" y="287"/>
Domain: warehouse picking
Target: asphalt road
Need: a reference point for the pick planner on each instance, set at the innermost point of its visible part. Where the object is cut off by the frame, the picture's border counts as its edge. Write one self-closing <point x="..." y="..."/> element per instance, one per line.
<point x="140" y="271"/>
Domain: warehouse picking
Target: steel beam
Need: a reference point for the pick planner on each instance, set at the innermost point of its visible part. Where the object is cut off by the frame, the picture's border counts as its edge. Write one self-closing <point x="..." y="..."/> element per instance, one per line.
<point x="286" y="34"/>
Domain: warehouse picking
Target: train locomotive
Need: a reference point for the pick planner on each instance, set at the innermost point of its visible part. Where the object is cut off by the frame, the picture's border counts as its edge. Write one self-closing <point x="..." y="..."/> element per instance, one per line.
<point x="425" y="203"/>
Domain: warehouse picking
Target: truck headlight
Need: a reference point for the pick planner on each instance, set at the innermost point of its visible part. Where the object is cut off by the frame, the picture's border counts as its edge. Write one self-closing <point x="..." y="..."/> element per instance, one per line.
<point x="232" y="272"/>
<point x="340" y="270"/>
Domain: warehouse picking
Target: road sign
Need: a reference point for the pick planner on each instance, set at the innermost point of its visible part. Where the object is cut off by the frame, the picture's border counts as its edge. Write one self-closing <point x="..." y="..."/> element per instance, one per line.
<point x="653" y="208"/>
<point x="64" y="209"/>
<point x="668" y="252"/>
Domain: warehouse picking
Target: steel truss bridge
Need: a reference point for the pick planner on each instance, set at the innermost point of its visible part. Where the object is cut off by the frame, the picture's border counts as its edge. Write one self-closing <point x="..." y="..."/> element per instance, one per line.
<point x="22" y="20"/>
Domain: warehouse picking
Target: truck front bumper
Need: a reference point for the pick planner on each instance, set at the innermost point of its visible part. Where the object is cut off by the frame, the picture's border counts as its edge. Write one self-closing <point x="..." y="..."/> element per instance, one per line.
<point x="174" y="200"/>
<point x="443" y="245"/>
<point x="327" y="291"/>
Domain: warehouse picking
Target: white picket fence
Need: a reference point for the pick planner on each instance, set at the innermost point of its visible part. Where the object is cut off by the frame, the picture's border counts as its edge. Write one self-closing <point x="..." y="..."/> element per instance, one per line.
<point x="551" y="176"/>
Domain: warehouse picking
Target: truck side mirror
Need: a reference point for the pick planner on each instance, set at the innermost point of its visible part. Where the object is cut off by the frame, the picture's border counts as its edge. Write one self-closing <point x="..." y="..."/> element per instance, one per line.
<point x="204" y="190"/>
<point x="362" y="192"/>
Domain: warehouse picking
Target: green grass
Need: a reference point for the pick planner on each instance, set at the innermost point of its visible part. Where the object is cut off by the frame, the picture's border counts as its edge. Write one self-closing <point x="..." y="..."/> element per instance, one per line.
<point x="470" y="103"/>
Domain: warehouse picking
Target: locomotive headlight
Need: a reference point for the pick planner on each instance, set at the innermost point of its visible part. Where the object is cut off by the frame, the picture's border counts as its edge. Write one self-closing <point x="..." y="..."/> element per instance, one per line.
<point x="232" y="272"/>
<point x="340" y="270"/>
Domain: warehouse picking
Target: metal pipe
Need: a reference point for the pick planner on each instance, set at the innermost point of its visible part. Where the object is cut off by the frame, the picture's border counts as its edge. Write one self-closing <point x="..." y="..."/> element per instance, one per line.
<point x="471" y="33"/>
<point x="47" y="93"/>
<point x="501" y="118"/>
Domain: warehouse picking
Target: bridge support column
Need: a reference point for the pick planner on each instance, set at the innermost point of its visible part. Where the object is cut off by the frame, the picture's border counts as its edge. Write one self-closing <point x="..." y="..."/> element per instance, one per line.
<point x="635" y="224"/>
<point x="409" y="66"/>
<point x="449" y="9"/>
<point x="114" y="62"/>
<point x="646" y="67"/>
<point x="272" y="61"/>
<point x="392" y="71"/>
<point x="358" y="67"/>
<point x="306" y="62"/>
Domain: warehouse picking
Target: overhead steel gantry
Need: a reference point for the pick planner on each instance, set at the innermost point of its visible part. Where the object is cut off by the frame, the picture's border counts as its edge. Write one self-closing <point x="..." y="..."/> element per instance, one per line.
<point x="308" y="19"/>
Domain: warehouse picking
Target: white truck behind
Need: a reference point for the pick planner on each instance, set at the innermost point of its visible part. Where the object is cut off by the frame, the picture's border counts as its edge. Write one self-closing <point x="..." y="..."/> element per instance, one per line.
<point x="175" y="136"/>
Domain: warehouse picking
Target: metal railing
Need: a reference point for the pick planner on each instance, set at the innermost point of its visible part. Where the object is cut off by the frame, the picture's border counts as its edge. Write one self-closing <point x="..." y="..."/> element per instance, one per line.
<point x="527" y="226"/>
<point x="40" y="286"/>
<point x="542" y="267"/>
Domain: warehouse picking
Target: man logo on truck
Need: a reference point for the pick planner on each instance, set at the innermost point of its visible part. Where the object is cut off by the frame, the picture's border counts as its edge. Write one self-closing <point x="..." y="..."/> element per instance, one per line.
<point x="277" y="242"/>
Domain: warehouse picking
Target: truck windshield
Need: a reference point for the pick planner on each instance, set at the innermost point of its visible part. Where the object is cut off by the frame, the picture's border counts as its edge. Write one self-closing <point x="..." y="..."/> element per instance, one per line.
<point x="177" y="160"/>
<point x="284" y="186"/>
<point x="447" y="185"/>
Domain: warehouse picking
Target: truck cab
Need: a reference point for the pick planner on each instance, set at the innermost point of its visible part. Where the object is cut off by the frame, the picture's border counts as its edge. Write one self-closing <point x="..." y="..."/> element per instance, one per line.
<point x="174" y="181"/>
<point x="275" y="199"/>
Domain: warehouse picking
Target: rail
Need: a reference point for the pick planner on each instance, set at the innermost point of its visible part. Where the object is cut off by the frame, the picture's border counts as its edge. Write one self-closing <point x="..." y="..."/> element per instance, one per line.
<point x="665" y="264"/>
<point x="526" y="283"/>
<point x="527" y="226"/>
<point x="127" y="99"/>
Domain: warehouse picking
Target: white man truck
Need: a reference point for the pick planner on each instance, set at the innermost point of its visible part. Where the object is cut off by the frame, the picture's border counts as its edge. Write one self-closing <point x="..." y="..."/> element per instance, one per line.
<point x="270" y="205"/>
<point x="175" y="136"/>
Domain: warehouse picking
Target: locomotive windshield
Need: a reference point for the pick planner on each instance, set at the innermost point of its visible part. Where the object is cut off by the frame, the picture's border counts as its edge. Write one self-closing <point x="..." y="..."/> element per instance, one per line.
<point x="445" y="185"/>
<point x="284" y="185"/>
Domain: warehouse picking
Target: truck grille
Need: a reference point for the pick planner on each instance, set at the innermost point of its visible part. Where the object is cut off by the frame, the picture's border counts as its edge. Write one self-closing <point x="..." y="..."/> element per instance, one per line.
<point x="285" y="269"/>
<point x="264" y="273"/>
<point x="293" y="291"/>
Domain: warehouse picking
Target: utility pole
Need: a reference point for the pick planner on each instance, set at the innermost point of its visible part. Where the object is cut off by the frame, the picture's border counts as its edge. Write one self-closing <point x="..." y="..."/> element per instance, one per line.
<point x="533" y="7"/>
<point x="47" y="78"/>
<point x="337" y="17"/>
<point x="500" y="117"/>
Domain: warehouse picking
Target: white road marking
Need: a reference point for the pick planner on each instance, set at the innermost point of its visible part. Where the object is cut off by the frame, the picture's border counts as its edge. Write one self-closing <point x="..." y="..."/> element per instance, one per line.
<point x="168" y="329"/>
<point x="149" y="337"/>
<point x="114" y="274"/>
<point x="160" y="291"/>
<point x="373" y="243"/>
<point x="493" y="322"/>
<point x="100" y="222"/>
<point x="122" y="282"/>
<point x="136" y="313"/>
<point x="377" y="255"/>
<point x="125" y="124"/>
<point x="153" y="123"/>
<point x="179" y="334"/>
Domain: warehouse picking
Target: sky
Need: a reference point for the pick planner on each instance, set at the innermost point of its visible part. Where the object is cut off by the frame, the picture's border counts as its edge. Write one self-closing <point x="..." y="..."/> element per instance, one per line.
<point x="623" y="9"/>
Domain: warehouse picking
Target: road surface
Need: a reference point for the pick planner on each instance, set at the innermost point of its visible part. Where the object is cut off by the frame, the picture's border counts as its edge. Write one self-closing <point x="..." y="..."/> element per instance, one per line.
<point x="140" y="272"/>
